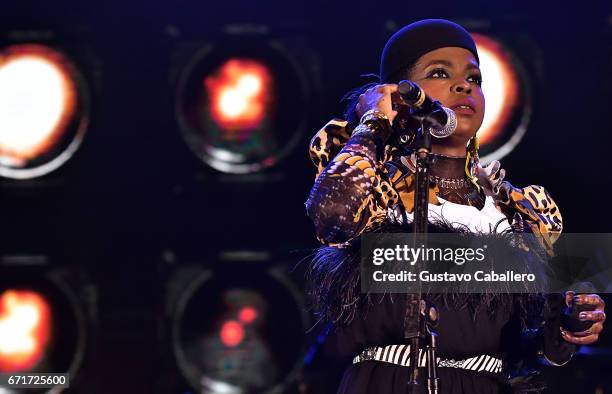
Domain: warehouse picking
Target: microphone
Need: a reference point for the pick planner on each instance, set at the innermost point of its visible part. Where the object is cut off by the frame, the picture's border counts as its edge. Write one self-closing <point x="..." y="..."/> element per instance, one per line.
<point x="440" y="121"/>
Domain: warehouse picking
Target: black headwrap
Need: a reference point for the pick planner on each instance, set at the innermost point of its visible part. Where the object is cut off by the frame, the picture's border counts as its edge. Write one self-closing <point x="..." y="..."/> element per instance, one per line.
<point x="406" y="46"/>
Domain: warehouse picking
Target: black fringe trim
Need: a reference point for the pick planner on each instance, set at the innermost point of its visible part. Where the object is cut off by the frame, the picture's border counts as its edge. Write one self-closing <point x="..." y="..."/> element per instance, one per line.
<point x="333" y="282"/>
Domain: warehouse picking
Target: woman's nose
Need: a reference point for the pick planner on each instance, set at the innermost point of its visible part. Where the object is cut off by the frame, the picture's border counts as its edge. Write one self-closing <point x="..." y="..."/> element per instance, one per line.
<point x="462" y="87"/>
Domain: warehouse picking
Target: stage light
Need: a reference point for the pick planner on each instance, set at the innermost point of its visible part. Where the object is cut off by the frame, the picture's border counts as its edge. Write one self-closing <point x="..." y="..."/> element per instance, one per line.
<point x="42" y="323"/>
<point x="508" y="99"/>
<point x="242" y="106"/>
<point x="239" y="101"/>
<point x="232" y="333"/>
<point x="24" y="329"/>
<point x="247" y="315"/>
<point x="43" y="110"/>
<point x="236" y="331"/>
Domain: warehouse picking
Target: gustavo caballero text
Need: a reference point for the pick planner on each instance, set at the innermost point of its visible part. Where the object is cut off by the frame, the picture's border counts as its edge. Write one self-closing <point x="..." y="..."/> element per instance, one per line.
<point x="478" y="276"/>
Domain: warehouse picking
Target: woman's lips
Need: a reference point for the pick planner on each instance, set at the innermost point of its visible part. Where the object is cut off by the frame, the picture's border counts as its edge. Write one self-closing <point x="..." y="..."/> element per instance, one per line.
<point x="463" y="109"/>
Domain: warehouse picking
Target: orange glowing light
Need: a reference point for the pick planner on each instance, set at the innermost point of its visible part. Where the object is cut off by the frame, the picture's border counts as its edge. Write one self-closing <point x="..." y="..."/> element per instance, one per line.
<point x="247" y="314"/>
<point x="232" y="333"/>
<point x="24" y="329"/>
<point x="239" y="94"/>
<point x="500" y="87"/>
<point x="38" y="99"/>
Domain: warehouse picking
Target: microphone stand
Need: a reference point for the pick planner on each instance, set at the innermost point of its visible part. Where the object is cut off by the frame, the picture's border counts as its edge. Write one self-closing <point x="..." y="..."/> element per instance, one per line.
<point x="417" y="327"/>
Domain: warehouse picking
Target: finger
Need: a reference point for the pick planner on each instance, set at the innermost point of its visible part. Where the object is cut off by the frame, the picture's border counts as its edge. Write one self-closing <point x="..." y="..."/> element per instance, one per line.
<point x="594" y="316"/>
<point x="569" y="298"/>
<point x="375" y="88"/>
<point x="596" y="328"/>
<point x="586" y="340"/>
<point x="358" y="110"/>
<point x="495" y="169"/>
<point x="491" y="167"/>
<point x="397" y="100"/>
<point x="383" y="90"/>
<point x="389" y="88"/>
<point x="590" y="299"/>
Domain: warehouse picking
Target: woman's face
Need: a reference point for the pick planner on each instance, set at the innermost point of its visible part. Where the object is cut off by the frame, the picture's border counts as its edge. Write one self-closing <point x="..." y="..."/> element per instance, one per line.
<point x="451" y="75"/>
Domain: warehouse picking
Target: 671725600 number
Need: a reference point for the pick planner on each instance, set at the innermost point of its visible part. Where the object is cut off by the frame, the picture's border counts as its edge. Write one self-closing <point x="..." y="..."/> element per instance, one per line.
<point x="34" y="380"/>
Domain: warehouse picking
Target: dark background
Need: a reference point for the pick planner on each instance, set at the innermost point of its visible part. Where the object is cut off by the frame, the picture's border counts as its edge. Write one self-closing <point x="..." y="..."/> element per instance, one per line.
<point x="134" y="204"/>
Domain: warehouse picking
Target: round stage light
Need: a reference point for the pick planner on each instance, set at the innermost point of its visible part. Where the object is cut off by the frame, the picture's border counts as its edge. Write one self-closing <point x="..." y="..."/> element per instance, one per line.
<point x="247" y="314"/>
<point x="43" y="110"/>
<point x="241" y="108"/>
<point x="238" y="98"/>
<point x="508" y="99"/>
<point x="238" y="332"/>
<point x="24" y="329"/>
<point x="232" y="333"/>
<point x="42" y="326"/>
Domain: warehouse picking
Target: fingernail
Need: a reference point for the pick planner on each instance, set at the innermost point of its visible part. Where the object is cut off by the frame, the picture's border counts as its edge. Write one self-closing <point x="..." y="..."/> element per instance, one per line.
<point x="582" y="316"/>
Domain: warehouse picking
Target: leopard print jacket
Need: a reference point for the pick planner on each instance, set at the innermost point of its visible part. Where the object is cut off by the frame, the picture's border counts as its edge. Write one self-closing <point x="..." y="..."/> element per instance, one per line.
<point x="357" y="183"/>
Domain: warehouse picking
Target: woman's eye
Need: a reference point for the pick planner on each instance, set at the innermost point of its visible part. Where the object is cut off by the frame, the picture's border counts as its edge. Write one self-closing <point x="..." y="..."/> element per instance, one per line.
<point x="477" y="79"/>
<point x="438" y="73"/>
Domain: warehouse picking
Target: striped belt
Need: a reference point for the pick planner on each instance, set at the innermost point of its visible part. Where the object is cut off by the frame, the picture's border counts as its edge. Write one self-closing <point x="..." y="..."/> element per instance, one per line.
<point x="399" y="354"/>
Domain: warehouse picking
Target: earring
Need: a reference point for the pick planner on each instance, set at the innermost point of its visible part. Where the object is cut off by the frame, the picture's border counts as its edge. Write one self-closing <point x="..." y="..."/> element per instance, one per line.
<point x="471" y="161"/>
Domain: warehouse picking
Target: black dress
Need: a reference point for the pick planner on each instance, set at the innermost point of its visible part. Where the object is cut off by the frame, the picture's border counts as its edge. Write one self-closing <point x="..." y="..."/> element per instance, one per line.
<point x="462" y="333"/>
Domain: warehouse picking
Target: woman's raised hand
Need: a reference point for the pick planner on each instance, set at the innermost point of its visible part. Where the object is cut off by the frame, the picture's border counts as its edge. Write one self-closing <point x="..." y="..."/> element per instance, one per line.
<point x="379" y="98"/>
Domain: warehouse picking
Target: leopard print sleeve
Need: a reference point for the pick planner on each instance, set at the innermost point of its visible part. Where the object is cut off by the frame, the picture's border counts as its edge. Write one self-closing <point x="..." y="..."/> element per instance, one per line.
<point x="351" y="192"/>
<point x="541" y="212"/>
<point x="327" y="143"/>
